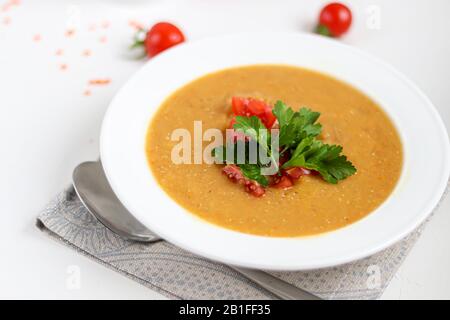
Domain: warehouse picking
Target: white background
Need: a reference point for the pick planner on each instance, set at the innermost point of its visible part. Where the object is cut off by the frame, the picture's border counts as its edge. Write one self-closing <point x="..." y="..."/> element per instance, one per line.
<point x="48" y="126"/>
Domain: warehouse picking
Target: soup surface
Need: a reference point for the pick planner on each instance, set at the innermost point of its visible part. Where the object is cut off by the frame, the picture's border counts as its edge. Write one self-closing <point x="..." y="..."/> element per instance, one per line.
<point x="311" y="206"/>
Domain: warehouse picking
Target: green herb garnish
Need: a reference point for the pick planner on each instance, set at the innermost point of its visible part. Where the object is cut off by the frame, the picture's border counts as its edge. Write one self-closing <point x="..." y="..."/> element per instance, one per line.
<point x="324" y="158"/>
<point x="253" y="172"/>
<point x="298" y="140"/>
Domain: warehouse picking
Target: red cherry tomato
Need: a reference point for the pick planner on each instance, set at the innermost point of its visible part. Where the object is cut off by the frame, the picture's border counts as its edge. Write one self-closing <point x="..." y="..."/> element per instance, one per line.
<point x="334" y="19"/>
<point x="162" y="36"/>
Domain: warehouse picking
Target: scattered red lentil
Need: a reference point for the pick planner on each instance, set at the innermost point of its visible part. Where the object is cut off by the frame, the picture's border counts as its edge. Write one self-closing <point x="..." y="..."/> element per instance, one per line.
<point x="70" y="32"/>
<point x="99" y="81"/>
<point x="87" y="53"/>
<point x="87" y="92"/>
<point x="37" y="38"/>
<point x="6" y="6"/>
<point x="63" y="67"/>
<point x="103" y="39"/>
<point x="59" y="52"/>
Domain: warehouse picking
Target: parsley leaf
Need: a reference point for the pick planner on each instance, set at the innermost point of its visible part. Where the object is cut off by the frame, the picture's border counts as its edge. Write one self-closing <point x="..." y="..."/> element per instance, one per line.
<point x="283" y="113"/>
<point x="295" y="126"/>
<point x="253" y="172"/>
<point x="324" y="158"/>
<point x="309" y="127"/>
<point x="255" y="129"/>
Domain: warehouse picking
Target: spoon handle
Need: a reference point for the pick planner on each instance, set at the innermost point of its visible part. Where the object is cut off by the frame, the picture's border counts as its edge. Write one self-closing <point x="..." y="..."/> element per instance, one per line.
<point x="278" y="287"/>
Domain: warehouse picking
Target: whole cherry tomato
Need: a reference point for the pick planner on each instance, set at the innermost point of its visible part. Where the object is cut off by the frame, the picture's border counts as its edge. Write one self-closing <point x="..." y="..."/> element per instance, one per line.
<point x="334" y="20"/>
<point x="160" y="37"/>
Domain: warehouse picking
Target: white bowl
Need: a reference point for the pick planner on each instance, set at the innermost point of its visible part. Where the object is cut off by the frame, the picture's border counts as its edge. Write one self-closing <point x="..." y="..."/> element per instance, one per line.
<point x="425" y="141"/>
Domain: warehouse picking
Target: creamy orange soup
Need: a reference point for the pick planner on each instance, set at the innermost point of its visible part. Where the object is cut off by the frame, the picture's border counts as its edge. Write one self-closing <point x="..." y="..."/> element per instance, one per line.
<point x="311" y="206"/>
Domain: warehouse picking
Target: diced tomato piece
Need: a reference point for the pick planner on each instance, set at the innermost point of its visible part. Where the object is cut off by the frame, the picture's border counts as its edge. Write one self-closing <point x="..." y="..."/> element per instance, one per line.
<point x="296" y="172"/>
<point x="255" y="189"/>
<point x="283" y="183"/>
<point x="233" y="172"/>
<point x="269" y="118"/>
<point x="257" y="107"/>
<point x="232" y="122"/>
<point x="239" y="106"/>
<point x="253" y="107"/>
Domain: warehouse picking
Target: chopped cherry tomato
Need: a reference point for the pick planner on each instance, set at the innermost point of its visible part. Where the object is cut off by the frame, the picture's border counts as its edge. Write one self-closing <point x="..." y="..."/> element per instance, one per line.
<point x="257" y="107"/>
<point x="254" y="188"/>
<point x="253" y="107"/>
<point x="334" y="20"/>
<point x="232" y="122"/>
<point x="235" y="174"/>
<point x="296" y="172"/>
<point x="160" y="37"/>
<point x="283" y="182"/>
<point x="269" y="118"/>
<point x="239" y="106"/>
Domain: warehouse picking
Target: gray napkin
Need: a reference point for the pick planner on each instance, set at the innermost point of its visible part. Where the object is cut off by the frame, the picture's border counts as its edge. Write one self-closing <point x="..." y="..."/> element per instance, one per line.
<point x="179" y="274"/>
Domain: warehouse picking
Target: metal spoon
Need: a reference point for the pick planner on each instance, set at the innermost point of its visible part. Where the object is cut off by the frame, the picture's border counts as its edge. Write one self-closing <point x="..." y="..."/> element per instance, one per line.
<point x="95" y="193"/>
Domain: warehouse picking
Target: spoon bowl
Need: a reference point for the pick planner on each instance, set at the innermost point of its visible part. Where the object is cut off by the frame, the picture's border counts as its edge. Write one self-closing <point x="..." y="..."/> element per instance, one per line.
<point x="95" y="193"/>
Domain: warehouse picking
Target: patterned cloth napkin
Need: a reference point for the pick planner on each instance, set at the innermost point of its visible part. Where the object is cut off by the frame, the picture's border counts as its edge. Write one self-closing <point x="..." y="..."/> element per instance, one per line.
<point x="179" y="274"/>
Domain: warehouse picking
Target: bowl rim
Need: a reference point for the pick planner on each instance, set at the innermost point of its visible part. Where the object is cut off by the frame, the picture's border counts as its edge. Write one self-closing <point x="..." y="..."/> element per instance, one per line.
<point x="115" y="117"/>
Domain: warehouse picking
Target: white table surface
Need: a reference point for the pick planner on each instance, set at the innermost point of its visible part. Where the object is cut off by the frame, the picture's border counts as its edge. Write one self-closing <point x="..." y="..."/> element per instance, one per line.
<point x="47" y="124"/>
